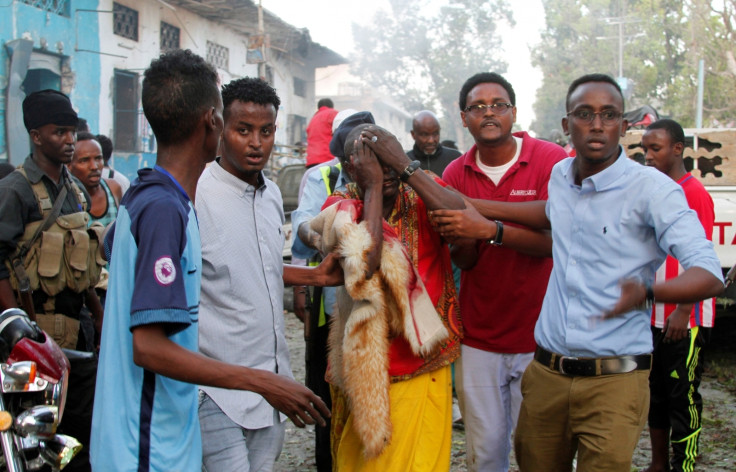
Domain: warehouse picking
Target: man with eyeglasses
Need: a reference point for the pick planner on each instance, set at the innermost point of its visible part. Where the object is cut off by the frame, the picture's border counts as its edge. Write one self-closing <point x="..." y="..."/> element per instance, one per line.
<point x="613" y="221"/>
<point x="502" y="285"/>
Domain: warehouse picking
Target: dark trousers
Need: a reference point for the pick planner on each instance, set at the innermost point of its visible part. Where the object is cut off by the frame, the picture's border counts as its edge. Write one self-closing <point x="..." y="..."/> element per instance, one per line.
<point x="676" y="404"/>
<point x="316" y="363"/>
<point x="77" y="419"/>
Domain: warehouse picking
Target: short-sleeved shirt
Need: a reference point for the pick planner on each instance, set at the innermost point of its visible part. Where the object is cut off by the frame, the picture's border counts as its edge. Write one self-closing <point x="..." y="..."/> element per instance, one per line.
<point x="143" y="420"/>
<point x="618" y="224"/>
<point x="319" y="134"/>
<point x="310" y="204"/>
<point x="704" y="311"/>
<point x="501" y="295"/>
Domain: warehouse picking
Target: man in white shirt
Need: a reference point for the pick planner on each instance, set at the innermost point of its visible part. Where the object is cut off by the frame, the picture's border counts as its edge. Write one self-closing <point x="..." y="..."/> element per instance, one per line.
<point x="241" y="311"/>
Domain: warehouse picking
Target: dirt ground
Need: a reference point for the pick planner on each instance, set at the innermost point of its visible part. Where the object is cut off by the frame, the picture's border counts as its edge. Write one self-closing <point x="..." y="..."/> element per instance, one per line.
<point x="717" y="442"/>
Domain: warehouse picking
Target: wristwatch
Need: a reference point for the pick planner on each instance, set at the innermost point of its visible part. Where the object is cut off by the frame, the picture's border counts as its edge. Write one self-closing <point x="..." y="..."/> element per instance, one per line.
<point x="409" y="171"/>
<point x="649" y="299"/>
<point x="497" y="240"/>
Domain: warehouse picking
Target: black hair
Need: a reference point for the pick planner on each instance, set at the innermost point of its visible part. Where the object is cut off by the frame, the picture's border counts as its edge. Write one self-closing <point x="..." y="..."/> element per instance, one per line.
<point x="86" y="136"/>
<point x="178" y="87"/>
<point x="591" y="78"/>
<point x="249" y="89"/>
<point x="325" y="102"/>
<point x="483" y="78"/>
<point x="106" y="145"/>
<point x="673" y="128"/>
<point x="82" y="125"/>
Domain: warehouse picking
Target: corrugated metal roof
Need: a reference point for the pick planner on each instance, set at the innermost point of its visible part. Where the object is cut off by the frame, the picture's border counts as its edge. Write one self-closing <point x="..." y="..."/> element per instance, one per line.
<point x="242" y="16"/>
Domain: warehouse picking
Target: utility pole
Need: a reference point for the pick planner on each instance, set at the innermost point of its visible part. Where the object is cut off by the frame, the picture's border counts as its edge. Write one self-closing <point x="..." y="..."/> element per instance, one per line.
<point x="620" y="21"/>
<point x="261" y="33"/>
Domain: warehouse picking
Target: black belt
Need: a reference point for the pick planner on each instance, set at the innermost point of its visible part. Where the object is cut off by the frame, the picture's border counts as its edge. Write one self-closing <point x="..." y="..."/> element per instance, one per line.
<point x="589" y="367"/>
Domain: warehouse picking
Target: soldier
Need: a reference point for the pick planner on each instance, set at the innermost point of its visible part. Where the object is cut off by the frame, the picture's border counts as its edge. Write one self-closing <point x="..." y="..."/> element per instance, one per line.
<point x="50" y="269"/>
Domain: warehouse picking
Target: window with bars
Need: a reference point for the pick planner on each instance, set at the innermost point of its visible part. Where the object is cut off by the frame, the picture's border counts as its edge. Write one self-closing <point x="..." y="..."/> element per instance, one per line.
<point x="124" y="21"/>
<point x="218" y="55"/>
<point x="169" y="37"/>
<point x="125" y="108"/>
<point x="269" y="75"/>
<point x="349" y="88"/>
<point x="297" y="126"/>
<point x="59" y="7"/>
<point x="300" y="87"/>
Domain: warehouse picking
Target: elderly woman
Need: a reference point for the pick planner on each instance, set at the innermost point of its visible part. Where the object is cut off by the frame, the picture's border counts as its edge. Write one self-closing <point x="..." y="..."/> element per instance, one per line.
<point x="397" y="328"/>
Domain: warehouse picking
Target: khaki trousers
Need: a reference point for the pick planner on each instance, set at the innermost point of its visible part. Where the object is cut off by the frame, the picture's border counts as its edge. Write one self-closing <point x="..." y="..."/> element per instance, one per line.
<point x="600" y="418"/>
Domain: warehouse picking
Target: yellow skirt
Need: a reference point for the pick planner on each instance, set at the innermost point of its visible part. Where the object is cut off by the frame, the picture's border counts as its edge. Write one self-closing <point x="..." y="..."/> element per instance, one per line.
<point x="421" y="415"/>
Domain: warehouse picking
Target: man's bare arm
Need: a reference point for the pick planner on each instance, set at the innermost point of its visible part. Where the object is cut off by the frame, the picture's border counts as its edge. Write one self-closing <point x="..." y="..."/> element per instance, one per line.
<point x="464" y="253"/>
<point x="470" y="223"/>
<point x="390" y="152"/>
<point x="530" y="214"/>
<point x="309" y="237"/>
<point x="327" y="274"/>
<point x="116" y="189"/>
<point x="7" y="296"/>
<point x="154" y="351"/>
<point x="95" y="308"/>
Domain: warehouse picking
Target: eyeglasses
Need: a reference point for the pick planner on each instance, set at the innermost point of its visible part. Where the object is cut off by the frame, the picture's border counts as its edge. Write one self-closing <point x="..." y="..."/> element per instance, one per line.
<point x="496" y="108"/>
<point x="608" y="117"/>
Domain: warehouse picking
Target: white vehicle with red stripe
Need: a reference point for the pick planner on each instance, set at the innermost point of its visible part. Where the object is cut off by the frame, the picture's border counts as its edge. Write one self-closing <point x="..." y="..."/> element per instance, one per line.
<point x="710" y="154"/>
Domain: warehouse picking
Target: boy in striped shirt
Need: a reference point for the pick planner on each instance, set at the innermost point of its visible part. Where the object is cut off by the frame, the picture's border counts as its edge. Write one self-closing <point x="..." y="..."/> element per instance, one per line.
<point x="679" y="331"/>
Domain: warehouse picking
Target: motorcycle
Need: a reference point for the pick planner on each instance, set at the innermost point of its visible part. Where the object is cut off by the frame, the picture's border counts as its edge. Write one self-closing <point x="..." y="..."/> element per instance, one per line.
<point x="34" y="374"/>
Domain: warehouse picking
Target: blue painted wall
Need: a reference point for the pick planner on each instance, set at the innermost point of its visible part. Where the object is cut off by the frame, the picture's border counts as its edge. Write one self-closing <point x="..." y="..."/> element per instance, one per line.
<point x="86" y="65"/>
<point x="19" y="20"/>
<point x="129" y="163"/>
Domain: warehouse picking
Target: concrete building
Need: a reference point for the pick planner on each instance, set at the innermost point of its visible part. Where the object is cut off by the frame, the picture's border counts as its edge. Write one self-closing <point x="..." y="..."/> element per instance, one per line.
<point x="96" y="51"/>
<point x="348" y="91"/>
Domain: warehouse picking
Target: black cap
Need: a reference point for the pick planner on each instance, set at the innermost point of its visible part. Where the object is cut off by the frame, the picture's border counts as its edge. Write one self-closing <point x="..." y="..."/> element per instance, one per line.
<point x="48" y="107"/>
<point x="337" y="145"/>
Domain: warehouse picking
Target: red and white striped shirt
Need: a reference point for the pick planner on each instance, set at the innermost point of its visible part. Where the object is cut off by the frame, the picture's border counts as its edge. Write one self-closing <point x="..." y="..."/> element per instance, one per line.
<point x="704" y="312"/>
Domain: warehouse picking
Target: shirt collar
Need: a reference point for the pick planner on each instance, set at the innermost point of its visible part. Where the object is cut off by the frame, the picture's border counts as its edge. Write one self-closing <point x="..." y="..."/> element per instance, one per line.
<point x="35" y="174"/>
<point x="524" y="155"/>
<point x="605" y="178"/>
<point x="237" y="185"/>
<point x="685" y="178"/>
<point x="165" y="172"/>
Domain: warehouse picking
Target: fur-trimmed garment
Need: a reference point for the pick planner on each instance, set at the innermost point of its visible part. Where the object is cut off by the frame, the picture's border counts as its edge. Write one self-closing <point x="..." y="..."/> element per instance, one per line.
<point x="386" y="328"/>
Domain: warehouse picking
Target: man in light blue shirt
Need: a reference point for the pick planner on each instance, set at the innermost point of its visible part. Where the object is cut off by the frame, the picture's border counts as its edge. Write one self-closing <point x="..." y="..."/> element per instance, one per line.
<point x="612" y="223"/>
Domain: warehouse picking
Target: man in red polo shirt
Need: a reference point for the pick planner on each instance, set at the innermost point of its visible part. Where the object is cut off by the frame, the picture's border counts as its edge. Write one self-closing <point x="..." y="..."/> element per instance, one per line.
<point x="319" y="133"/>
<point x="501" y="289"/>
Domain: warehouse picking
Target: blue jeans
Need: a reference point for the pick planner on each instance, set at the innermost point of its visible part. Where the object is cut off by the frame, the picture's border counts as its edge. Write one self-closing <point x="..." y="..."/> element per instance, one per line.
<point x="227" y="446"/>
